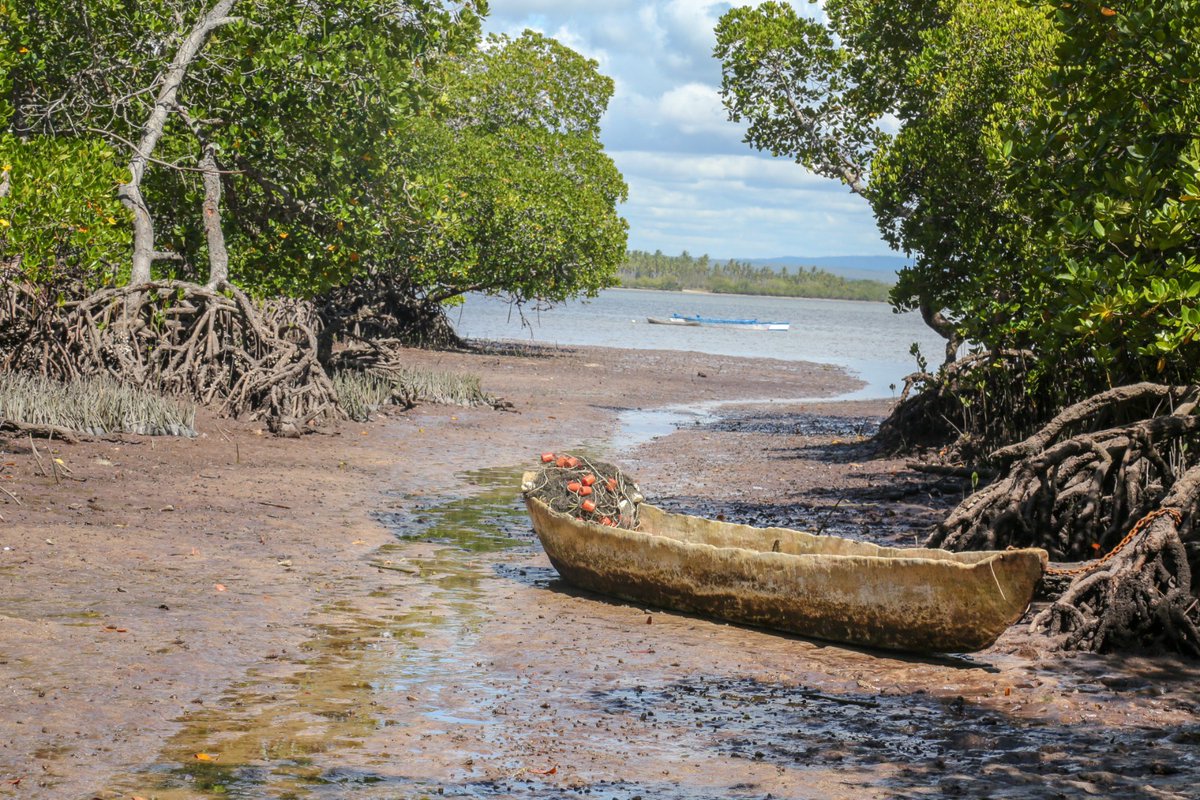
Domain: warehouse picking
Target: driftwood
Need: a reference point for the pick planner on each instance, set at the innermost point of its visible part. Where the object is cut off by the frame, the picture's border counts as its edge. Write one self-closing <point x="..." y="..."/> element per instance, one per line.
<point x="49" y="431"/>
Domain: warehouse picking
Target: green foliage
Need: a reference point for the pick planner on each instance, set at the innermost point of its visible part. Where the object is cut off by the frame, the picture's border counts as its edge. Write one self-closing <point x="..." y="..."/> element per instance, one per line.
<point x="911" y="95"/>
<point x="793" y="83"/>
<point x="309" y="112"/>
<point x="1043" y="165"/>
<point x="1109" y="175"/>
<point x="58" y="209"/>
<point x="643" y="270"/>
<point x="355" y="139"/>
<point x="521" y="195"/>
<point x="61" y="211"/>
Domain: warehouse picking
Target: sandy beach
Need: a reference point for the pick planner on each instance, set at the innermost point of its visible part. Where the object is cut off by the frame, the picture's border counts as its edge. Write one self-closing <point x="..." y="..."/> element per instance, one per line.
<point x="238" y="615"/>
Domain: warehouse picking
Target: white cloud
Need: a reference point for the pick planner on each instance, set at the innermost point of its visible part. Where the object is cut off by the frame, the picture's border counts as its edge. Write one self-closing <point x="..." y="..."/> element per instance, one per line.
<point x="694" y="108"/>
<point x="694" y="20"/>
<point x="693" y="184"/>
<point x="747" y="169"/>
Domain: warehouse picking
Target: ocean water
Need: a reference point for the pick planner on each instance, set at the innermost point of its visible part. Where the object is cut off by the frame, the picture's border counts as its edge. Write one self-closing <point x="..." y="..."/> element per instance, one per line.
<point x="869" y="339"/>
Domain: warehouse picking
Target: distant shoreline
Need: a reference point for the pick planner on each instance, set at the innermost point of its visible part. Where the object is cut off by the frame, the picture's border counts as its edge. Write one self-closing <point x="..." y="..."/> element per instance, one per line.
<point x="710" y="293"/>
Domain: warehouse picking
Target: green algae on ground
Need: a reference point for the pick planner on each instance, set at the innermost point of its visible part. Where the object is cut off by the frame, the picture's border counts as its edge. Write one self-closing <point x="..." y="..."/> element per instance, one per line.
<point x="481" y="522"/>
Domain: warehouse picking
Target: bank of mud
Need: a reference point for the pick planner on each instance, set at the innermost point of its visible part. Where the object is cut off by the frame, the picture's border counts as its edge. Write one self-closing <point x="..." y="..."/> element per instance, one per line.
<point x="368" y="615"/>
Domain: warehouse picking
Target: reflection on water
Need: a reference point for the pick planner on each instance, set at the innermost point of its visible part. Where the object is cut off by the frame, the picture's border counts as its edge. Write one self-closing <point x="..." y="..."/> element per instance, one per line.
<point x="868" y="338"/>
<point x="636" y="426"/>
<point x="362" y="673"/>
<point x="490" y="520"/>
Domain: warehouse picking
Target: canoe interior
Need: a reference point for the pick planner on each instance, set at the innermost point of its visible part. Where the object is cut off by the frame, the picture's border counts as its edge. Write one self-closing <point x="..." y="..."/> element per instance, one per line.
<point x="697" y="530"/>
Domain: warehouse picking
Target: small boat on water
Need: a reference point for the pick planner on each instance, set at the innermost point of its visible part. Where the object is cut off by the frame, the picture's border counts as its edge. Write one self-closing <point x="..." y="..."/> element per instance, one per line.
<point x="824" y="587"/>
<point x="745" y="324"/>
<point x="672" y="321"/>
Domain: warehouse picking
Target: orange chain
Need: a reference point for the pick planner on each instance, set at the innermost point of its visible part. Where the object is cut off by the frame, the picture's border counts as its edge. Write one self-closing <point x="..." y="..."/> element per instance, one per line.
<point x="1134" y="531"/>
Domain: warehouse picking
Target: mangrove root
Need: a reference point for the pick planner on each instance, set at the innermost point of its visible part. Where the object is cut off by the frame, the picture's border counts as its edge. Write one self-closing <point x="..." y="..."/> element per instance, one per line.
<point x="1078" y="493"/>
<point x="213" y="344"/>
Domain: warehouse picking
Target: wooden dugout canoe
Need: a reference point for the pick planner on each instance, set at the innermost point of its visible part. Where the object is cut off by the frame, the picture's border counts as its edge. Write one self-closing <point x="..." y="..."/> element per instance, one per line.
<point x="825" y="587"/>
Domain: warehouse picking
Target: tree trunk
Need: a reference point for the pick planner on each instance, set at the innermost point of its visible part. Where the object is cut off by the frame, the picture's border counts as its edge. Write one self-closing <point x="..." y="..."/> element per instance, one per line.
<point x="935" y="319"/>
<point x="218" y="256"/>
<point x="130" y="193"/>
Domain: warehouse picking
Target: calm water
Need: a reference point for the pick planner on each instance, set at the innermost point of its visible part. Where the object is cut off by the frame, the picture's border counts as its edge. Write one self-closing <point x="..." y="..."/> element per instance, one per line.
<point x="869" y="339"/>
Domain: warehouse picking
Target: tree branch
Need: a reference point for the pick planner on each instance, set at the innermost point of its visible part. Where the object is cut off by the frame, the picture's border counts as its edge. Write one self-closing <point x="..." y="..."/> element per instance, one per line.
<point x="130" y="193"/>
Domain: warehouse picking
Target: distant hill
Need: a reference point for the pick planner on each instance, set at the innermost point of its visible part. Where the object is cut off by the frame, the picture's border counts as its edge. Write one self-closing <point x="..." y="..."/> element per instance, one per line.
<point x="879" y="268"/>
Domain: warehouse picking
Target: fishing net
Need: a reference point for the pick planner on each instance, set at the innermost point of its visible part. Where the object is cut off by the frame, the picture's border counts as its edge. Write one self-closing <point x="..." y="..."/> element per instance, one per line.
<point x="594" y="491"/>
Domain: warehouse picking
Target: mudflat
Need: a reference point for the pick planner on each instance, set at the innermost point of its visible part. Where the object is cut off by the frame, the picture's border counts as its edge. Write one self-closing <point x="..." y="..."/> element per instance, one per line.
<point x="366" y="614"/>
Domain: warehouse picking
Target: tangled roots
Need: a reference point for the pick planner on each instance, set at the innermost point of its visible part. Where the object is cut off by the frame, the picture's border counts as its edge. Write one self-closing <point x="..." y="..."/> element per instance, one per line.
<point x="1078" y="494"/>
<point x="978" y="399"/>
<point x="1141" y="597"/>
<point x="213" y="344"/>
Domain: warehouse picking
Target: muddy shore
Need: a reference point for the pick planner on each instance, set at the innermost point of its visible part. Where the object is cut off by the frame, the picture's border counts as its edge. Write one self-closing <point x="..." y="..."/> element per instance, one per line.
<point x="367" y="615"/>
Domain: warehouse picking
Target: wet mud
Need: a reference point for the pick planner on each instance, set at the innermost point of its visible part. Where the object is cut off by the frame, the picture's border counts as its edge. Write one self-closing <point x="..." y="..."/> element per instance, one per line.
<point x="322" y="638"/>
<point x="482" y="675"/>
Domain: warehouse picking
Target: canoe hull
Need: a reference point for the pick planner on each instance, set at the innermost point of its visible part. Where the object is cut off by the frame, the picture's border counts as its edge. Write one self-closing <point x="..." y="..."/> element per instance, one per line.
<point x="926" y="601"/>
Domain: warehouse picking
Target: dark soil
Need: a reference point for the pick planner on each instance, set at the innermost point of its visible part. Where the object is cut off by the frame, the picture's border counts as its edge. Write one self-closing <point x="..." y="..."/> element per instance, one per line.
<point x="367" y="615"/>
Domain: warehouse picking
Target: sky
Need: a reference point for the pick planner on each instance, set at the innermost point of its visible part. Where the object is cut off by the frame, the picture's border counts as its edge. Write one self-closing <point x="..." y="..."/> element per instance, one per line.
<point x="693" y="183"/>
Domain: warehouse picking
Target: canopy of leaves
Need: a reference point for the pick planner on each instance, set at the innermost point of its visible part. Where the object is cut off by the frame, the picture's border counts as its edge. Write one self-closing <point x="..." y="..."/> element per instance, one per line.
<point x="528" y="197"/>
<point x="1107" y="175"/>
<point x="900" y="100"/>
<point x="353" y="139"/>
<point x="58" y="208"/>
<point x="60" y="213"/>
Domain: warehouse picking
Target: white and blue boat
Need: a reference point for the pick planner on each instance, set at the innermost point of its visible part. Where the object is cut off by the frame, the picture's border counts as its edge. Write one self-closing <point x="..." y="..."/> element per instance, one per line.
<point x="746" y="324"/>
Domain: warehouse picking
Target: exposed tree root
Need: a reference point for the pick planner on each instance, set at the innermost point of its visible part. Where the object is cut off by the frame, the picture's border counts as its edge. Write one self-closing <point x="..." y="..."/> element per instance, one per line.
<point x="48" y="431"/>
<point x="1077" y="497"/>
<point x="1077" y="492"/>
<point x="969" y="402"/>
<point x="1144" y="596"/>
<point x="213" y="344"/>
<point x="382" y="314"/>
